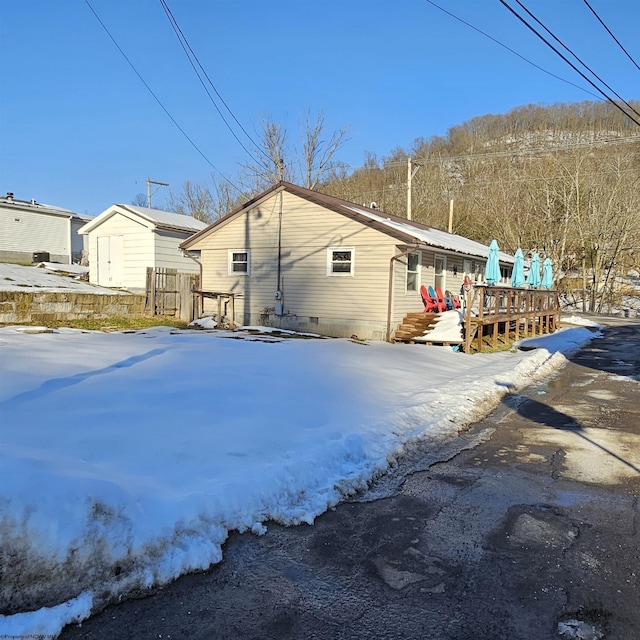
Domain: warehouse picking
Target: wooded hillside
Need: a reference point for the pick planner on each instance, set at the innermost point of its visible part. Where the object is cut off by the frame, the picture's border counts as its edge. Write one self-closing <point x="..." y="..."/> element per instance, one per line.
<point x="563" y="180"/>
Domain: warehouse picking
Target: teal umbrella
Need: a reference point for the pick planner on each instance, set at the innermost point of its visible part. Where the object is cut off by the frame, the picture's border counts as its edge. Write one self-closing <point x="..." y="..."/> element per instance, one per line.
<point x="492" y="271"/>
<point x="517" y="275"/>
<point x="533" y="277"/>
<point x="547" y="274"/>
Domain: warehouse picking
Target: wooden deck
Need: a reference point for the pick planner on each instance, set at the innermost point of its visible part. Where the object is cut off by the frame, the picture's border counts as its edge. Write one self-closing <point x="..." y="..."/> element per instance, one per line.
<point x="493" y="317"/>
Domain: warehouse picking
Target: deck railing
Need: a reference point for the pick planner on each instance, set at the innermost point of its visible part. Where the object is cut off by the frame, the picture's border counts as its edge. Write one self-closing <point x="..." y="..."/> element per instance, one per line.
<point x="492" y="312"/>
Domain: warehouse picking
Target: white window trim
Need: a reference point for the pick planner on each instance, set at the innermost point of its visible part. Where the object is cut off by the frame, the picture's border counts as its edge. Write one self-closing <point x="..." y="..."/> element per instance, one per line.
<point x="230" y="262"/>
<point x="342" y="274"/>
<point x="418" y="273"/>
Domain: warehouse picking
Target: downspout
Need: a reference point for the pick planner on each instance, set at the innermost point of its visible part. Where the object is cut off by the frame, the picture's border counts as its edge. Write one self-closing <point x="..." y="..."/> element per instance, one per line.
<point x="390" y="293"/>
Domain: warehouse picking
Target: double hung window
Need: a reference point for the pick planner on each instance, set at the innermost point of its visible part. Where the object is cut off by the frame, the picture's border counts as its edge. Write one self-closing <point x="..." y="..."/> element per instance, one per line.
<point x="340" y="261"/>
<point x="238" y="262"/>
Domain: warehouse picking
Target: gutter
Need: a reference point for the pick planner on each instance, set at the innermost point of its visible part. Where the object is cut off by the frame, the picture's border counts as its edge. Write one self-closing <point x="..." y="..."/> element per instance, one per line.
<point x="390" y="293"/>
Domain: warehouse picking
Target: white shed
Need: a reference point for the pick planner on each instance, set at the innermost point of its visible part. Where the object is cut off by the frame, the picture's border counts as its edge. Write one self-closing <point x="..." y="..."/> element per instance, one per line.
<point x="124" y="240"/>
<point x="28" y="228"/>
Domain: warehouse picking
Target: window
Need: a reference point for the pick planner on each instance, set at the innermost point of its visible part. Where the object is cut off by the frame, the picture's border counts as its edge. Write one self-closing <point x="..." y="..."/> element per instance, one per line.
<point x="413" y="271"/>
<point x="238" y="262"/>
<point x="340" y="261"/>
<point x="474" y="269"/>
<point x="440" y="267"/>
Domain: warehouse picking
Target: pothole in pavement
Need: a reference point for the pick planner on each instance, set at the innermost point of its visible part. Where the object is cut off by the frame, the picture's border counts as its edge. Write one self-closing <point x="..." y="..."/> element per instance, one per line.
<point x="584" y="624"/>
<point x="537" y="526"/>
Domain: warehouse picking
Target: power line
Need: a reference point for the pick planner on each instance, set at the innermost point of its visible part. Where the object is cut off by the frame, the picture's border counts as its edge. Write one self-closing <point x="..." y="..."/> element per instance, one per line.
<point x="191" y="56"/>
<point x="591" y="71"/>
<point x="610" y="33"/>
<point x="155" y="97"/>
<point x="533" y="64"/>
<point x="608" y="98"/>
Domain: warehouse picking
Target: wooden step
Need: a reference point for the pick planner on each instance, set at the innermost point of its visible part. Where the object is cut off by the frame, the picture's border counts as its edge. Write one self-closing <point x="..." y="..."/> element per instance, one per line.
<point x="413" y="325"/>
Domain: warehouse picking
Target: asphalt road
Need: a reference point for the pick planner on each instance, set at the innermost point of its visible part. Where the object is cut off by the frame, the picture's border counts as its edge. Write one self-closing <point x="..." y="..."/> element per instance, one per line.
<point x="526" y="529"/>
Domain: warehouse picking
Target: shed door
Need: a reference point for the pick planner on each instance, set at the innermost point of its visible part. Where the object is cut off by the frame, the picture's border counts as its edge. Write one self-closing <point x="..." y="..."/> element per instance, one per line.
<point x="110" y="256"/>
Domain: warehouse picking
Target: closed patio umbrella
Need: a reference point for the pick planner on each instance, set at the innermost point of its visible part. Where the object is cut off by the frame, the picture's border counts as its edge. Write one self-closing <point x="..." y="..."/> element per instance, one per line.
<point x="533" y="277"/>
<point x="517" y="275"/>
<point x="547" y="274"/>
<point x="492" y="272"/>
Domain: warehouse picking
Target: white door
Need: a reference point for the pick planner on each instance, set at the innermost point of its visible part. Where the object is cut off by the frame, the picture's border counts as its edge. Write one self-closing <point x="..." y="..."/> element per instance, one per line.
<point x="110" y="257"/>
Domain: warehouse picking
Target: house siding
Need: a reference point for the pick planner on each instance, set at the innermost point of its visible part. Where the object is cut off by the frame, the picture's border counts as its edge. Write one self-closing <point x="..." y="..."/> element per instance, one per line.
<point x="24" y="232"/>
<point x="167" y="253"/>
<point x="308" y="292"/>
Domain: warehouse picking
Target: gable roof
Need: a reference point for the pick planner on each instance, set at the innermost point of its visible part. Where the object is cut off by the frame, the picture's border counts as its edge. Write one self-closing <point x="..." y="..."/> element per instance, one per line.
<point x="406" y="231"/>
<point x="153" y="218"/>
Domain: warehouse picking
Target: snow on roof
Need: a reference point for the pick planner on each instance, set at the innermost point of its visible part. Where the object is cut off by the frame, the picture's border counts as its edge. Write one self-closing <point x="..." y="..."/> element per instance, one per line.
<point x="39" y="207"/>
<point x="433" y="237"/>
<point x="166" y="218"/>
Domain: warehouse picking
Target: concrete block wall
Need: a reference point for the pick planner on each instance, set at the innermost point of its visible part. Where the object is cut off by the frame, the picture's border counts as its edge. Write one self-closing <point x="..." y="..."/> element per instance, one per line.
<point x="17" y="307"/>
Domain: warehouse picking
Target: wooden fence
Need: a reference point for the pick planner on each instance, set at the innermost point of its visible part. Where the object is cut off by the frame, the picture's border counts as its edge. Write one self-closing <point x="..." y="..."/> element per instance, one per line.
<point x="170" y="293"/>
<point x="503" y="313"/>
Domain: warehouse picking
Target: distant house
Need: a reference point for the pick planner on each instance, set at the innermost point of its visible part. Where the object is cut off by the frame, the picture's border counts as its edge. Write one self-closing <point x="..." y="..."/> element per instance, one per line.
<point x="298" y="259"/>
<point x="124" y="240"/>
<point x="32" y="231"/>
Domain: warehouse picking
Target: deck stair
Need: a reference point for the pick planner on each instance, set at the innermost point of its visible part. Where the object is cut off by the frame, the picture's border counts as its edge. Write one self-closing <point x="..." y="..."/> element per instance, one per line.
<point x="413" y="325"/>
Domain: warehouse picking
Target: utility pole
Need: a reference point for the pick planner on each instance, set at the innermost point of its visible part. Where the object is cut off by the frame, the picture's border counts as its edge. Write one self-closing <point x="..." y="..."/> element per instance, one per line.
<point x="451" y="215"/>
<point x="149" y="183"/>
<point x="410" y="175"/>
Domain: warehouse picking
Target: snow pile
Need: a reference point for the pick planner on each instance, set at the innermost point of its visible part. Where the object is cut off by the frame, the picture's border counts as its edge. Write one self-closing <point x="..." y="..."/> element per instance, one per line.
<point x="128" y="457"/>
<point x="448" y="329"/>
<point x="579" y="321"/>
<point x="204" y="323"/>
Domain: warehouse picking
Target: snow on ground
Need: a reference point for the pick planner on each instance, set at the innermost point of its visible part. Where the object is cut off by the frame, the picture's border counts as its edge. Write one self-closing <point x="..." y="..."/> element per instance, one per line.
<point x="51" y="277"/>
<point x="128" y="457"/>
<point x="580" y="321"/>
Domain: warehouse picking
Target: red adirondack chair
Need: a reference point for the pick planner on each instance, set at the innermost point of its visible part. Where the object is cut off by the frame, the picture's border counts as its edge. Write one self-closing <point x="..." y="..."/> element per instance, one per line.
<point x="430" y="302"/>
<point x="439" y="298"/>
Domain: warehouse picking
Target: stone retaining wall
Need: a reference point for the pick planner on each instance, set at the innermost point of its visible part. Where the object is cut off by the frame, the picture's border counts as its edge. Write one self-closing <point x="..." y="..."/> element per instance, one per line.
<point x="45" y="307"/>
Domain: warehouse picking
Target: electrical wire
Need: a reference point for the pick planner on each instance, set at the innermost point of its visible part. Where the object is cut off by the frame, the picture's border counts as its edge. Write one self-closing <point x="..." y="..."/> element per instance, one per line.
<point x="610" y="33"/>
<point x="591" y="71"/>
<point x="155" y="97"/>
<point x="593" y="84"/>
<point x="191" y="56"/>
<point x="533" y="64"/>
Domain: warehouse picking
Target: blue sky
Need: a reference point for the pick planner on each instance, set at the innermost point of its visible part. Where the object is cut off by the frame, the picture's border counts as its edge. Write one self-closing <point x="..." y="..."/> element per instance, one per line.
<point x="79" y="129"/>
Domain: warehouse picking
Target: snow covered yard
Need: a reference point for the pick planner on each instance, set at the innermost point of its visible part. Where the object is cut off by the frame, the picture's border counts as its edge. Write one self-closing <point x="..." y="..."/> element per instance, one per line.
<point x="128" y="457"/>
<point x="48" y="276"/>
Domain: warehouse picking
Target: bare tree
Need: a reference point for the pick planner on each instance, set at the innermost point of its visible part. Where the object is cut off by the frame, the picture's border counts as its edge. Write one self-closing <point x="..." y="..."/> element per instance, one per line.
<point x="204" y="201"/>
<point x="140" y="200"/>
<point x="277" y="160"/>
<point x="269" y="165"/>
<point x="318" y="153"/>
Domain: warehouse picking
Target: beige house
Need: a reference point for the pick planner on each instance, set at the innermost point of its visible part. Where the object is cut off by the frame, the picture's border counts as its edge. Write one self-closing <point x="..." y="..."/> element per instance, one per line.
<point x="124" y="240"/>
<point x="299" y="259"/>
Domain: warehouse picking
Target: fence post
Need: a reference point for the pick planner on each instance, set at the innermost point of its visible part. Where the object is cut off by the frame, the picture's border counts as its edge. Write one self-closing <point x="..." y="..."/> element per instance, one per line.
<point x="150" y="302"/>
